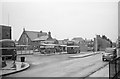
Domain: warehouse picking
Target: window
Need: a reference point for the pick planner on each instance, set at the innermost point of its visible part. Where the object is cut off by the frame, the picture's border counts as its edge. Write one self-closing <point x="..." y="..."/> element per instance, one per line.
<point x="8" y="44"/>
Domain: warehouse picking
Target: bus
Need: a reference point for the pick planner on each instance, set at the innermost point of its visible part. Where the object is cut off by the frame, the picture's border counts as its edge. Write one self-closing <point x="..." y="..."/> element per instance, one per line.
<point x="8" y="49"/>
<point x="47" y="48"/>
<point x="73" y="49"/>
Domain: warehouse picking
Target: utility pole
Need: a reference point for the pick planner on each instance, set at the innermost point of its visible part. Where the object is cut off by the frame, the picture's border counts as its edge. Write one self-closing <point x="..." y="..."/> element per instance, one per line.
<point x="118" y="53"/>
<point x="8" y="19"/>
<point x="118" y="46"/>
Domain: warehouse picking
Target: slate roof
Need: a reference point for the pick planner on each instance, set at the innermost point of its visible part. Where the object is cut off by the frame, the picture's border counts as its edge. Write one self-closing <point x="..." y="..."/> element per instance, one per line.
<point x="41" y="38"/>
<point x="78" y="39"/>
<point x="33" y="34"/>
<point x="51" y="39"/>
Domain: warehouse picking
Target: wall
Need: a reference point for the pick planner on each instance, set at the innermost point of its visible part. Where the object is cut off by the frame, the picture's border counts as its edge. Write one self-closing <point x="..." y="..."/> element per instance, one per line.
<point x="24" y="40"/>
<point x="101" y="43"/>
<point x="83" y="47"/>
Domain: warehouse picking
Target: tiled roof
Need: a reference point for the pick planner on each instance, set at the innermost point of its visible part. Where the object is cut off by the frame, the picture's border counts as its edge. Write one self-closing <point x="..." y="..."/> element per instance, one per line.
<point x="41" y="38"/>
<point x="33" y="34"/>
<point x="51" y="40"/>
<point x="78" y="39"/>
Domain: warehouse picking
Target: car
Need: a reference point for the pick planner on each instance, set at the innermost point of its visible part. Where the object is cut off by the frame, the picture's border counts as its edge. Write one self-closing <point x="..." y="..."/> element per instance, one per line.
<point x="8" y="49"/>
<point x="109" y="54"/>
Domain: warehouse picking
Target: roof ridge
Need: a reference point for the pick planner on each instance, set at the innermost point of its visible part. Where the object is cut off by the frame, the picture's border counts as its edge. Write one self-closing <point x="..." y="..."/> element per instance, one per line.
<point x="31" y="31"/>
<point x="36" y="32"/>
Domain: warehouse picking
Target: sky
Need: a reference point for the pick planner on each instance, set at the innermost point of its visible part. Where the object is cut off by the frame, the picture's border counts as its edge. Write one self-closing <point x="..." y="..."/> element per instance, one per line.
<point x="63" y="18"/>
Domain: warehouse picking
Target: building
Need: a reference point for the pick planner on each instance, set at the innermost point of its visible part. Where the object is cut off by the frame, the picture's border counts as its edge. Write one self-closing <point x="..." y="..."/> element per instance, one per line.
<point x="27" y="37"/>
<point x="5" y="32"/>
<point x="90" y="44"/>
<point x="34" y="38"/>
<point x="63" y="42"/>
<point x="101" y="43"/>
<point x="78" y="40"/>
<point x="85" y="45"/>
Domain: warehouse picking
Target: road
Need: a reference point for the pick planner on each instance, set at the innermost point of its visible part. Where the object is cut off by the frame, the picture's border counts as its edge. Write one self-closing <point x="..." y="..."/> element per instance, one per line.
<point x="60" y="66"/>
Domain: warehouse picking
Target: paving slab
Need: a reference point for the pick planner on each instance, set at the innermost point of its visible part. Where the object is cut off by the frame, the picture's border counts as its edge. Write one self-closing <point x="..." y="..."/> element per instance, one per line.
<point x="103" y="72"/>
<point x="13" y="68"/>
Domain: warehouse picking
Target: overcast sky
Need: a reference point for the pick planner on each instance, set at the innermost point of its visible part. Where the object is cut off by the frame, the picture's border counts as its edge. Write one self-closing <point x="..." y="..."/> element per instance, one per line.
<point x="65" y="19"/>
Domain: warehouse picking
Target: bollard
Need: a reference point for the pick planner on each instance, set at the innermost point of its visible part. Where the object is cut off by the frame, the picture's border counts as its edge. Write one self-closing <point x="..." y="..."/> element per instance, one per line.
<point x="22" y="60"/>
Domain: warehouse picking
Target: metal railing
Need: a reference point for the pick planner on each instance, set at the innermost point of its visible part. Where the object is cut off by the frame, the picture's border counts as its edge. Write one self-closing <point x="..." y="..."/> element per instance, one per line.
<point x="114" y="68"/>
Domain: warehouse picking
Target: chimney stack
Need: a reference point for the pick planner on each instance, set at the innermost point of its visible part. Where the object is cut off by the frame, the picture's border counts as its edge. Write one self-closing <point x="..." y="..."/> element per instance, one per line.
<point x="49" y="34"/>
<point x="41" y="31"/>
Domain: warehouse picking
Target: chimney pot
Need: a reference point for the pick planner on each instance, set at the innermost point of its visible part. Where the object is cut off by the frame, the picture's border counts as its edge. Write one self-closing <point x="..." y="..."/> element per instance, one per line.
<point x="40" y="31"/>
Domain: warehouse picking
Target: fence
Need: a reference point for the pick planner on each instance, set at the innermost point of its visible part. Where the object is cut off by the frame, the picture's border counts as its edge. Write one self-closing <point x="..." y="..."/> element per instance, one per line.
<point x="24" y="52"/>
<point x="24" y="49"/>
<point x="114" y="68"/>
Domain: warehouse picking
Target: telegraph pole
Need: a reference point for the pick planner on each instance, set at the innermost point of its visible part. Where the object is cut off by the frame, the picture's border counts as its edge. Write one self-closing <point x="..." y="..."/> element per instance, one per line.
<point x="8" y="19"/>
<point x="118" y="47"/>
<point x="118" y="31"/>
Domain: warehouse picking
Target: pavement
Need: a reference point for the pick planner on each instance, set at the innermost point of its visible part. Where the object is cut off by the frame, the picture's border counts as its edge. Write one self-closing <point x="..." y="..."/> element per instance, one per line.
<point x="102" y="72"/>
<point x="13" y="68"/>
<point x="84" y="55"/>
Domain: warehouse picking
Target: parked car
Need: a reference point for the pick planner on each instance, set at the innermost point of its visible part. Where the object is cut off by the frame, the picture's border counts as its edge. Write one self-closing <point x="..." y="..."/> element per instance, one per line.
<point x="8" y="49"/>
<point x="109" y="54"/>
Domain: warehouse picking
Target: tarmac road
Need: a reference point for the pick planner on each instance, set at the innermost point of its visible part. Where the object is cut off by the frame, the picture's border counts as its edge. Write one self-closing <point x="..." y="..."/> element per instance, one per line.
<point x="60" y="66"/>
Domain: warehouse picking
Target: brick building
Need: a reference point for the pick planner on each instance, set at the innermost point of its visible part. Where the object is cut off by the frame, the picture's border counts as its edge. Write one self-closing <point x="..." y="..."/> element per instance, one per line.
<point x="81" y="42"/>
<point x="63" y="42"/>
<point x="85" y="44"/>
<point x="34" y="38"/>
<point x="100" y="43"/>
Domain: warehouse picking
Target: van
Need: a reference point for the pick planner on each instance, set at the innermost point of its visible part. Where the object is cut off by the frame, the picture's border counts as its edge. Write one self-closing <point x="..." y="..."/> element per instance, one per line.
<point x="109" y="54"/>
<point x="8" y="49"/>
